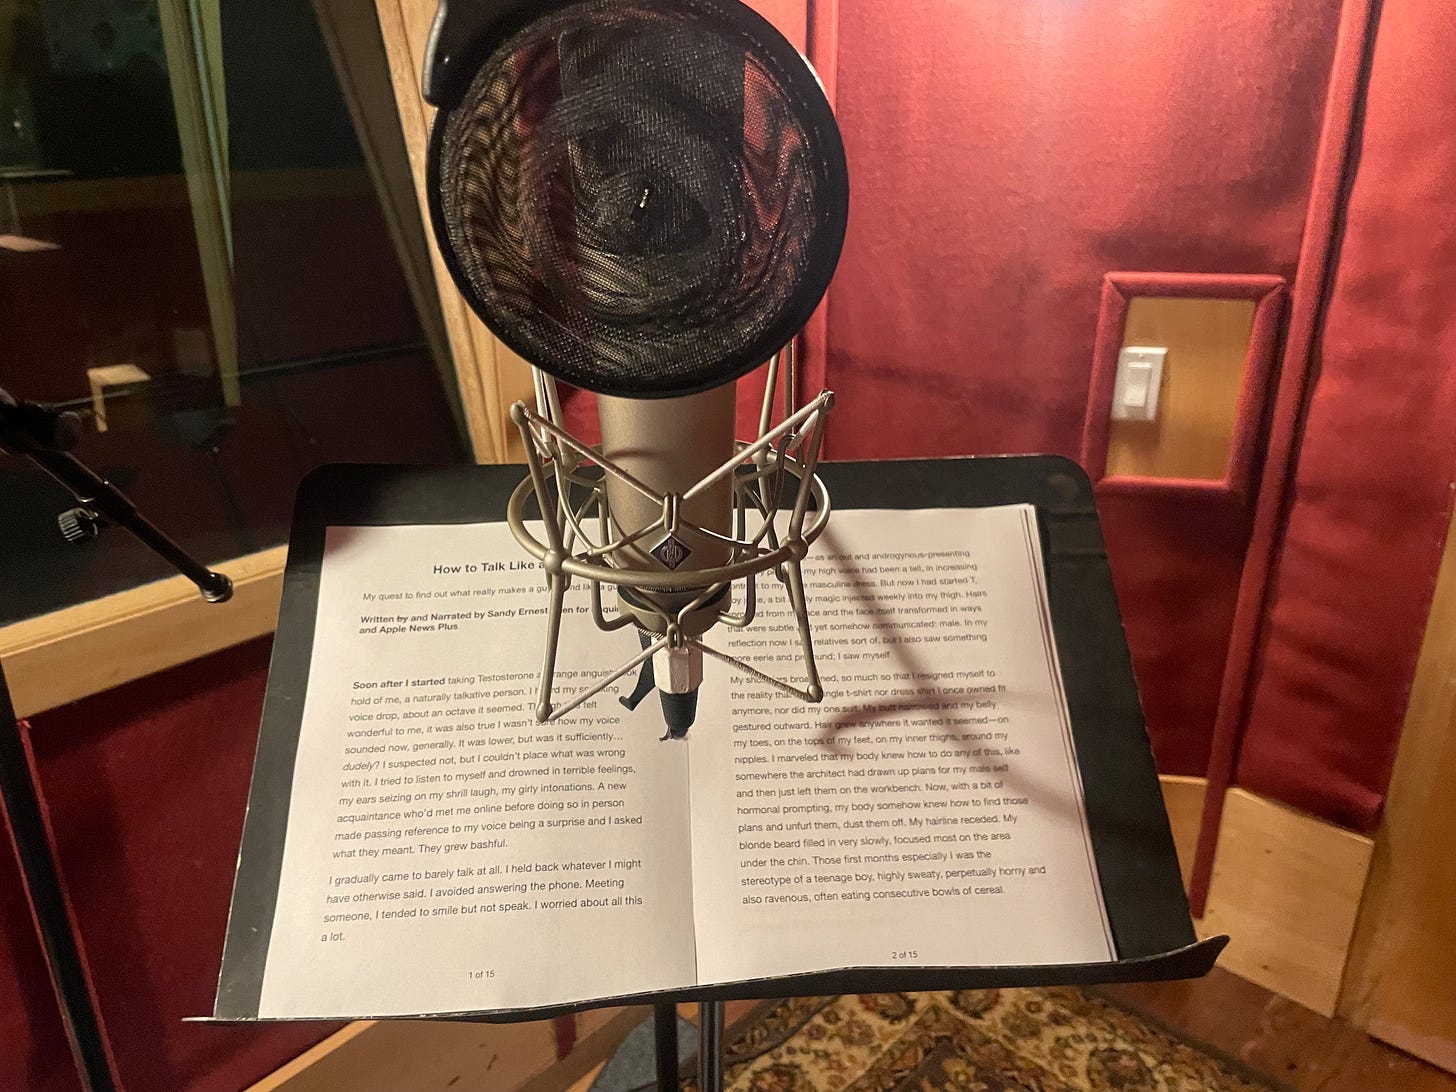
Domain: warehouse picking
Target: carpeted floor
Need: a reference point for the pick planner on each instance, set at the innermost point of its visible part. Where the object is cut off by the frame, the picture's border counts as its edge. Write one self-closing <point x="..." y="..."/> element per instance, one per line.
<point x="1028" y="1040"/>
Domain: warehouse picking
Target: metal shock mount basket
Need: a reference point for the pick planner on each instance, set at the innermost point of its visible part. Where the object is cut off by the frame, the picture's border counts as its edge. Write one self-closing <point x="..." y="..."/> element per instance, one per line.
<point x="567" y="479"/>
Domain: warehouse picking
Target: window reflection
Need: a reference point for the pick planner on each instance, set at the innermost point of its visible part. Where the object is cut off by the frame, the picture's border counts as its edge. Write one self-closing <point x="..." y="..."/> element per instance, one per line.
<point x="194" y="255"/>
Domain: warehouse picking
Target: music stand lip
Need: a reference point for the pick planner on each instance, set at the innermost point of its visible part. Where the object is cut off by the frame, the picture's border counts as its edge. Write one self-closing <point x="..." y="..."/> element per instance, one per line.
<point x="1191" y="961"/>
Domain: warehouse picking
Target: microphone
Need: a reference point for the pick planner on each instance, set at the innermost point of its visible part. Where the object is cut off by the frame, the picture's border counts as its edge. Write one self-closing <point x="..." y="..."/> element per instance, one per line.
<point x="646" y="199"/>
<point x="670" y="444"/>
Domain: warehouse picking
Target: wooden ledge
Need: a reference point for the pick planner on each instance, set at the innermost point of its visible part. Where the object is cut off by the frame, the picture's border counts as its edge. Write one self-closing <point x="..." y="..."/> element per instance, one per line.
<point x="83" y="650"/>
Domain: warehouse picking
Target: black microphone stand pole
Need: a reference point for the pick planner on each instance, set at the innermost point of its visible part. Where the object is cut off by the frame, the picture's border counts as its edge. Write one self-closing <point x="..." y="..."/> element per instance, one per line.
<point x="710" y="1046"/>
<point x="44" y="436"/>
<point x="30" y="836"/>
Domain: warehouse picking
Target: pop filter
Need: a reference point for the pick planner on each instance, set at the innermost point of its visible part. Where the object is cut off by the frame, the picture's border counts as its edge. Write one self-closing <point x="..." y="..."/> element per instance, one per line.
<point x="646" y="199"/>
<point x="643" y="198"/>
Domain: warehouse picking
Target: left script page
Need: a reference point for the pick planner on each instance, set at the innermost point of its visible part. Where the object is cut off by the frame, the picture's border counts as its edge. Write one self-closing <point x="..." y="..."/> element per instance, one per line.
<point x="445" y="853"/>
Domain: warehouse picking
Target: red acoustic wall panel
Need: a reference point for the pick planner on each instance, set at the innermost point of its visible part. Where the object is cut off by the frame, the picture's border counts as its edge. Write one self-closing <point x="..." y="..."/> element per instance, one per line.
<point x="1004" y="157"/>
<point x="1176" y="560"/>
<point x="146" y="787"/>
<point x="1372" y="492"/>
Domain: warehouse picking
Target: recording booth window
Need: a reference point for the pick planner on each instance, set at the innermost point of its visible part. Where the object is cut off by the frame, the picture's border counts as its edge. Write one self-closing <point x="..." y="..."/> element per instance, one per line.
<point x="203" y="253"/>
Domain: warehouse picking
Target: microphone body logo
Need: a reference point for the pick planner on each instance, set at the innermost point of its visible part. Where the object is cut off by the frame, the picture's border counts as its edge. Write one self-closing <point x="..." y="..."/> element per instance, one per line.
<point x="671" y="553"/>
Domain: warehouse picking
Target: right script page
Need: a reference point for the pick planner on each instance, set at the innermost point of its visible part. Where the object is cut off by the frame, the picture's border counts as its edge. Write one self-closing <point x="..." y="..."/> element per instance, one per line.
<point x="929" y="812"/>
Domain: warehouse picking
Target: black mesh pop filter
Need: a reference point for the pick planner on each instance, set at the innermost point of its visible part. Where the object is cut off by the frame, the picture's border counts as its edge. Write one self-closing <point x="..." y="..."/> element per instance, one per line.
<point x="644" y="198"/>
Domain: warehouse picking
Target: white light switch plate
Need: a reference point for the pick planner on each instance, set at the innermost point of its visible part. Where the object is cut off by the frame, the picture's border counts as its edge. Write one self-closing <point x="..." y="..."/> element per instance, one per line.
<point x="1139" y="380"/>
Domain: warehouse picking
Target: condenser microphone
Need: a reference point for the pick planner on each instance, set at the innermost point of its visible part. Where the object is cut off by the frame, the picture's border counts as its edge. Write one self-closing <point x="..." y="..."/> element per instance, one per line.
<point x="646" y="199"/>
<point x="671" y="444"/>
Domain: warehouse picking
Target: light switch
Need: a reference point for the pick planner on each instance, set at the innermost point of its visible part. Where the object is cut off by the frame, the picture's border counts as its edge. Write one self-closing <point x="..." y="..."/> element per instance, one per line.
<point x="1139" y="378"/>
<point x="1135" y="385"/>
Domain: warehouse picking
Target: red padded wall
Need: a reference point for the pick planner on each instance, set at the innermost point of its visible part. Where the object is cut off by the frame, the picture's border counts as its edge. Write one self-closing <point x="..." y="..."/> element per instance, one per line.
<point x="146" y="787"/>
<point x="1004" y="156"/>
<point x="1372" y="491"/>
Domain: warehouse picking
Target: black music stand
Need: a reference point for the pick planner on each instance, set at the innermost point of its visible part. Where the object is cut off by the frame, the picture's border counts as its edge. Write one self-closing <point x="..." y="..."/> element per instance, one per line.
<point x="1131" y="839"/>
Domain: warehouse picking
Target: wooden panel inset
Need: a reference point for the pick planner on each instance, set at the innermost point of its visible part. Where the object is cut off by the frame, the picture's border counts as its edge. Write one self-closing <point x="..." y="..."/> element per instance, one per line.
<point x="1401" y="981"/>
<point x="1286" y="887"/>
<point x="1208" y="345"/>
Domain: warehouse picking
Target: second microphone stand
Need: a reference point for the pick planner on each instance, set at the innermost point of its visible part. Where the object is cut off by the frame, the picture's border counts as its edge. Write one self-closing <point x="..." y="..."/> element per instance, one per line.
<point x="45" y="437"/>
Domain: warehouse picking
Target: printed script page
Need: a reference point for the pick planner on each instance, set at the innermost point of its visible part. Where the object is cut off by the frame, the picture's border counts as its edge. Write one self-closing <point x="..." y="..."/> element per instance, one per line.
<point x="444" y="852"/>
<point x="929" y="812"/>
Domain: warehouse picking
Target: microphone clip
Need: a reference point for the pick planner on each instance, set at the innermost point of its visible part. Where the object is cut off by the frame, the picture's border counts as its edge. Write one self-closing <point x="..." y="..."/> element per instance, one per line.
<point x="779" y="508"/>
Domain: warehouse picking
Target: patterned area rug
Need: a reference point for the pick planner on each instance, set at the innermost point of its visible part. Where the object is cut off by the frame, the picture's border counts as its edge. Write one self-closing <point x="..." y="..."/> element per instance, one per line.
<point x="1014" y="1040"/>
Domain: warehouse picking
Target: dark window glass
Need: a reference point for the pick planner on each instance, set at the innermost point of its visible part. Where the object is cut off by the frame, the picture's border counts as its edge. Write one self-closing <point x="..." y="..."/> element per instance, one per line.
<point x="216" y="360"/>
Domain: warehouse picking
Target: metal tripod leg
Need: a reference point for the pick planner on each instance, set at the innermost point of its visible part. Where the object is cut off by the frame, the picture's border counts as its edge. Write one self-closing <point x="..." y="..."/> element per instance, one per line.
<point x="710" y="1046"/>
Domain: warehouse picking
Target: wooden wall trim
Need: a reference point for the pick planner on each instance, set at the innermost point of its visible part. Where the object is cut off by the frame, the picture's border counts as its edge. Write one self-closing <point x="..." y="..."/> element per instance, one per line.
<point x="92" y="647"/>
<point x="201" y="120"/>
<point x="435" y="1056"/>
<point x="491" y="376"/>
<point x="1400" y="984"/>
<point x="362" y="69"/>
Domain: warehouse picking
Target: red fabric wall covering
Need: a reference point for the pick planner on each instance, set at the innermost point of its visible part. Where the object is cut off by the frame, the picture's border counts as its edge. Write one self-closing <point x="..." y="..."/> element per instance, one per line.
<point x="146" y="787"/>
<point x="1373" y="488"/>
<point x="1176" y="561"/>
<point x="1004" y="156"/>
<point x="1317" y="257"/>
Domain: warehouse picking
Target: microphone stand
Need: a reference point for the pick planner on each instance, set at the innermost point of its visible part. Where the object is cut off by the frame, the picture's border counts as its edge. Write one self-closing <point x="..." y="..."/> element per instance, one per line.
<point x="710" y="1046"/>
<point x="44" y="436"/>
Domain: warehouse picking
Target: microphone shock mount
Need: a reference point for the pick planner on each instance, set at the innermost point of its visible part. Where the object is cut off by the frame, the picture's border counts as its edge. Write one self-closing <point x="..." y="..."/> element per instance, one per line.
<point x="770" y="533"/>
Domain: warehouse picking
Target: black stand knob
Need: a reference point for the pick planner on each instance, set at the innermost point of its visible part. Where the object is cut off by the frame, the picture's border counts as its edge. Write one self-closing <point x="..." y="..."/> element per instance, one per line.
<point x="79" y="524"/>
